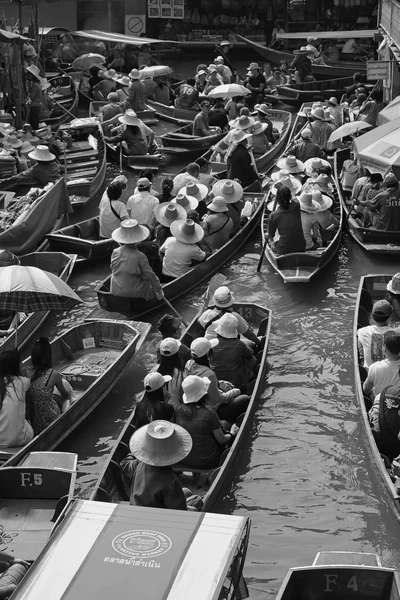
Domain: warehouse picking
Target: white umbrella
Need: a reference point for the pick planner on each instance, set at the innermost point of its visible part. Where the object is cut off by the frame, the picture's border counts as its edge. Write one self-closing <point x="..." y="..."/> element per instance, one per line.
<point x="155" y="71"/>
<point x="348" y="129"/>
<point x="86" y="61"/>
<point x="228" y="90"/>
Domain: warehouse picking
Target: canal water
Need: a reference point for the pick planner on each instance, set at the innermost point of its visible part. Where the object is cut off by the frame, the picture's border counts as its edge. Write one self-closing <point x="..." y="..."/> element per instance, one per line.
<point x="304" y="476"/>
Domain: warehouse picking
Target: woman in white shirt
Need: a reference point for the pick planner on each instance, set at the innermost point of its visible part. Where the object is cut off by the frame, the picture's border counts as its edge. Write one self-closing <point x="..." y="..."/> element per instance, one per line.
<point x="180" y="250"/>
<point x="14" y="428"/>
<point x="112" y="209"/>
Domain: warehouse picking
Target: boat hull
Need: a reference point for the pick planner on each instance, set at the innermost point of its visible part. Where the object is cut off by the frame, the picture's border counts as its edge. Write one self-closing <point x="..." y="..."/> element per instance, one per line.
<point x="179" y="116"/>
<point x="182" y="141"/>
<point x="82" y="239"/>
<point x="69" y="103"/>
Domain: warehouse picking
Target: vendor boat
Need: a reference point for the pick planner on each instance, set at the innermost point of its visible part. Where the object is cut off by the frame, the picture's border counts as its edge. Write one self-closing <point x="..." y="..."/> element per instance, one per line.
<point x="136" y="162"/>
<point x="82" y="239"/>
<point x="170" y="113"/>
<point x="64" y="93"/>
<point x="182" y="141"/>
<point x="147" y="116"/>
<point x="313" y="91"/>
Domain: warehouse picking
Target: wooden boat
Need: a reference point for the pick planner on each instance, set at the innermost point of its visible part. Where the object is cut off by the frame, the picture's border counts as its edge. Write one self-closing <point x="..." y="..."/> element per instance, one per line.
<point x="158" y="551"/>
<point x="136" y="163"/>
<point x="182" y="141"/>
<point x="340" y="68"/>
<point x="64" y="93"/>
<point x="371" y="240"/>
<point x="91" y="356"/>
<point x="110" y="486"/>
<point x="82" y="239"/>
<point x="135" y="307"/>
<point x="147" y="116"/>
<point x="33" y="493"/>
<point x="335" y="575"/>
<point x="371" y="289"/>
<point x="59" y="264"/>
<point x="297" y="93"/>
<point x="180" y="116"/>
<point x="85" y="162"/>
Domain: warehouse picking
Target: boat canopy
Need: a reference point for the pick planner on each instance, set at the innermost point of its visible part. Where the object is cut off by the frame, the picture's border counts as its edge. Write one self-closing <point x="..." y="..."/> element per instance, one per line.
<point x="329" y="35"/>
<point x="118" y="38"/>
<point x="104" y="550"/>
<point x="52" y="30"/>
<point x="8" y="37"/>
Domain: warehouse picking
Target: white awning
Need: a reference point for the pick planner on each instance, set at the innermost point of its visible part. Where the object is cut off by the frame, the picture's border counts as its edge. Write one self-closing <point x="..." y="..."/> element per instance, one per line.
<point x="329" y="35"/>
<point x="118" y="38"/>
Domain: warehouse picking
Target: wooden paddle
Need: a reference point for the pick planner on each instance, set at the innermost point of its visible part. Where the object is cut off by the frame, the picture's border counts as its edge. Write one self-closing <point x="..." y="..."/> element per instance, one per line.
<point x="65" y="109"/>
<point x="264" y="246"/>
<point x="168" y="303"/>
<point x="120" y="158"/>
<point x="215" y="282"/>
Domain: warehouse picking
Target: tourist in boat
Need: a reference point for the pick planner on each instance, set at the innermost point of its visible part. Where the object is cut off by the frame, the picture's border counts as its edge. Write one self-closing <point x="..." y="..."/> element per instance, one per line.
<point x="150" y="85"/>
<point x="131" y="274"/>
<point x="370" y="109"/>
<point x="201" y="125"/>
<point x="233" y="106"/>
<point x="107" y="84"/>
<point x="259" y="141"/>
<point x="304" y="148"/>
<point x="232" y="192"/>
<point x="202" y="424"/>
<point x="349" y="173"/>
<point x="217" y="116"/>
<point x="244" y="123"/>
<point x="263" y="116"/>
<point x="48" y="390"/>
<point x="113" y="108"/>
<point x="370" y="338"/>
<point x="95" y="77"/>
<point x="170" y="326"/>
<point x="187" y="95"/>
<point x="330" y="52"/>
<point x="217" y="224"/>
<point x="286" y="220"/>
<point x="393" y="297"/>
<point x="166" y="214"/>
<point x="12" y="571"/>
<point x="232" y="359"/>
<point x="45" y="170"/>
<point x="221" y="72"/>
<point x="255" y="83"/>
<point x="154" y="448"/>
<point x="302" y="65"/>
<point x="352" y="47"/>
<point x="141" y="205"/>
<point x="154" y="404"/>
<point x="351" y="90"/>
<point x="368" y="190"/>
<point x="361" y="97"/>
<point x="145" y="58"/>
<point x="196" y="191"/>
<point x="206" y="177"/>
<point x="167" y="185"/>
<point x="136" y="91"/>
<point x="336" y="111"/>
<point x="227" y="73"/>
<point x="67" y="51"/>
<point x="385" y="421"/>
<point x="240" y="164"/>
<point x="169" y="360"/>
<point x="14" y="427"/>
<point x="162" y="93"/>
<point x="321" y="130"/>
<point x="308" y="208"/>
<point x="181" y="251"/>
<point x="134" y="142"/>
<point x="112" y="209"/>
<point x="35" y="95"/>
<point x="328" y="223"/>
<point x="191" y="174"/>
<point x="384" y="372"/>
<point x="201" y="80"/>
<point x="222" y="397"/>
<point x="223" y="48"/>
<point x="383" y="211"/>
<point x="276" y="79"/>
<point x="213" y="79"/>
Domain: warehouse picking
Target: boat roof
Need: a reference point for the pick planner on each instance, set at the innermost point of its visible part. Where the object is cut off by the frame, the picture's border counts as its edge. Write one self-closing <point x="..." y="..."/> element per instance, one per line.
<point x="118" y="38"/>
<point x="116" y="550"/>
<point x="47" y="30"/>
<point x="329" y="35"/>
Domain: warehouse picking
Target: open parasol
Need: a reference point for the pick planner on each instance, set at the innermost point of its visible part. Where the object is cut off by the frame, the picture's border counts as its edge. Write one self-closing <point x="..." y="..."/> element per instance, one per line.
<point x="229" y="90"/>
<point x="348" y="129"/>
<point x="155" y="71"/>
<point x="86" y="61"/>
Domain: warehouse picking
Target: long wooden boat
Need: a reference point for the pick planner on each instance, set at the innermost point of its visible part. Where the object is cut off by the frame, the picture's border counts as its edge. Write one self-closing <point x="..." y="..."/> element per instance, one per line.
<point x="82" y="239"/>
<point x="371" y="289"/>
<point x="182" y="141"/>
<point x="336" y="575"/>
<point x="109" y="486"/>
<point x="33" y="492"/>
<point x="136" y="163"/>
<point x="179" y="116"/>
<point x="370" y="239"/>
<point x="59" y="264"/>
<point x="64" y="93"/>
<point x="86" y="164"/>
<point x="148" y="116"/>
<point x="327" y="71"/>
<point x="297" y="93"/>
<point x="158" y="551"/>
<point x="91" y="357"/>
<point x="134" y="307"/>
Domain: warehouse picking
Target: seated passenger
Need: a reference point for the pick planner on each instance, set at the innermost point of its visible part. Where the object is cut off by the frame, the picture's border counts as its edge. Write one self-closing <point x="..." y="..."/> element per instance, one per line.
<point x="226" y="400"/>
<point x="217" y="116"/>
<point x="202" y="424"/>
<point x="170" y="363"/>
<point x="232" y="359"/>
<point x="170" y="327"/>
<point x="201" y="125"/>
<point x="325" y="218"/>
<point x="384" y="372"/>
<point x="393" y="297"/>
<point x="199" y="192"/>
<point x="304" y="148"/>
<point x="286" y="221"/>
<point x="263" y="116"/>
<point x="113" y="107"/>
<point x="153" y="406"/>
<point x="232" y="192"/>
<point x="259" y="140"/>
<point x="14" y="428"/>
<point x="48" y="390"/>
<point x="349" y="173"/>
<point x="12" y="571"/>
<point x="181" y="250"/>
<point x="217" y="224"/>
<point x="370" y="338"/>
<point x="385" y="420"/>
<point x="131" y="274"/>
<point x="134" y="142"/>
<point x="112" y="210"/>
<point x="187" y="95"/>
<point x="383" y="211"/>
<point x="308" y="208"/>
<point x="166" y="214"/>
<point x="45" y="170"/>
<point x="141" y="204"/>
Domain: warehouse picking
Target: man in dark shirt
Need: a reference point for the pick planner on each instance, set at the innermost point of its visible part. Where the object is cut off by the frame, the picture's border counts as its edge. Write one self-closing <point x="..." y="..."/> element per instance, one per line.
<point x="239" y="163"/>
<point x="255" y="82"/>
<point x="218" y="116"/>
<point x="286" y="219"/>
<point x="303" y="66"/>
<point x="304" y="148"/>
<point x="383" y="211"/>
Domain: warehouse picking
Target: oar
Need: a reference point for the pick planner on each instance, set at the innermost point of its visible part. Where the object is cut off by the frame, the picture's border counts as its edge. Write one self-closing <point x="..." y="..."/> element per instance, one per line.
<point x="368" y="97"/>
<point x="168" y="303"/>
<point x="214" y="283"/>
<point x="264" y="246"/>
<point x="120" y="158"/>
<point x="64" y="109"/>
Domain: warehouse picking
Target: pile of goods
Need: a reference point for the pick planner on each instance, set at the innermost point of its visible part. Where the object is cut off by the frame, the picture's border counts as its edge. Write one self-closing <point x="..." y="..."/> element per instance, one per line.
<point x="8" y="165"/>
<point x="18" y="207"/>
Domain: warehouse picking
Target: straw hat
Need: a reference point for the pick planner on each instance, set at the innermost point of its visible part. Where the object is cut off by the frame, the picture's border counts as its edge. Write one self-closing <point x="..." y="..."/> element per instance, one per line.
<point x="259" y="128"/>
<point x="333" y="101"/>
<point x="227" y="326"/>
<point x="154" y="381"/>
<point x="263" y="108"/>
<point x="225" y="43"/>
<point x="187" y="231"/>
<point x="231" y="191"/>
<point x="186" y="202"/>
<point x="308" y="204"/>
<point x="134" y="74"/>
<point x="218" y="205"/>
<point x="318" y="113"/>
<point x="124" y="80"/>
<point x="169" y="346"/>
<point x="394" y="284"/>
<point x="34" y="70"/>
<point x="110" y="74"/>
<point x="277" y="176"/>
<point x="328" y="116"/>
<point x="194" y="388"/>
<point x="160" y="443"/>
<point x="313" y="165"/>
<point x="223" y="297"/>
<point x="310" y="40"/>
<point x="293" y="184"/>
<point x="168" y="213"/>
<point x="306" y="134"/>
<point x="195" y="190"/>
<point x="322" y="182"/>
<point x="306" y="112"/>
<point x="129" y="118"/>
<point x="324" y="202"/>
<point x="42" y="153"/>
<point x="244" y="122"/>
<point x="219" y="59"/>
<point x="202" y="346"/>
<point x="291" y="164"/>
<point x="14" y="141"/>
<point x="130" y="232"/>
<point x="253" y="65"/>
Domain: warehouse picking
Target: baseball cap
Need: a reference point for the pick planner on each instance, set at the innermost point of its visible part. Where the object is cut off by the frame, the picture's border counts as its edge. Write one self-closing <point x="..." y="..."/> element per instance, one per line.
<point x="201" y="346"/>
<point x="169" y="346"/>
<point x="154" y="381"/>
<point x="143" y="183"/>
<point x="382" y="308"/>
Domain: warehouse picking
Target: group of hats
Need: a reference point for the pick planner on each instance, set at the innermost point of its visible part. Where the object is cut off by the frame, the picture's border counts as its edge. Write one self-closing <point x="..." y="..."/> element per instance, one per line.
<point x="314" y="202"/>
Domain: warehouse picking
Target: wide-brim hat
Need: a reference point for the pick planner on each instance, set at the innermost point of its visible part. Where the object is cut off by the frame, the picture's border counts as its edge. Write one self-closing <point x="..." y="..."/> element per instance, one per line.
<point x="291" y="163"/>
<point x="41" y="153"/>
<point x="160" y="443"/>
<point x="194" y="388"/>
<point x="129" y="118"/>
<point x="134" y="74"/>
<point x="130" y="232"/>
<point x="244" y="122"/>
<point x="322" y="183"/>
<point x="318" y="113"/>
<point x="307" y="204"/>
<point x="124" y="80"/>
<point x="253" y="65"/>
<point x="110" y="74"/>
<point x="293" y="184"/>
<point x="218" y="205"/>
<point x="168" y="213"/>
<point x="324" y="202"/>
<point x="259" y="127"/>
<point x="277" y="175"/>
<point x="333" y="100"/>
<point x="34" y="70"/>
<point x="187" y="231"/>
<point x="45" y="85"/>
<point x="195" y="190"/>
<point x="263" y="108"/>
<point x="231" y="191"/>
<point x="185" y="201"/>
<point x="394" y="285"/>
<point x="14" y="141"/>
<point x="227" y="326"/>
<point x="311" y="168"/>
